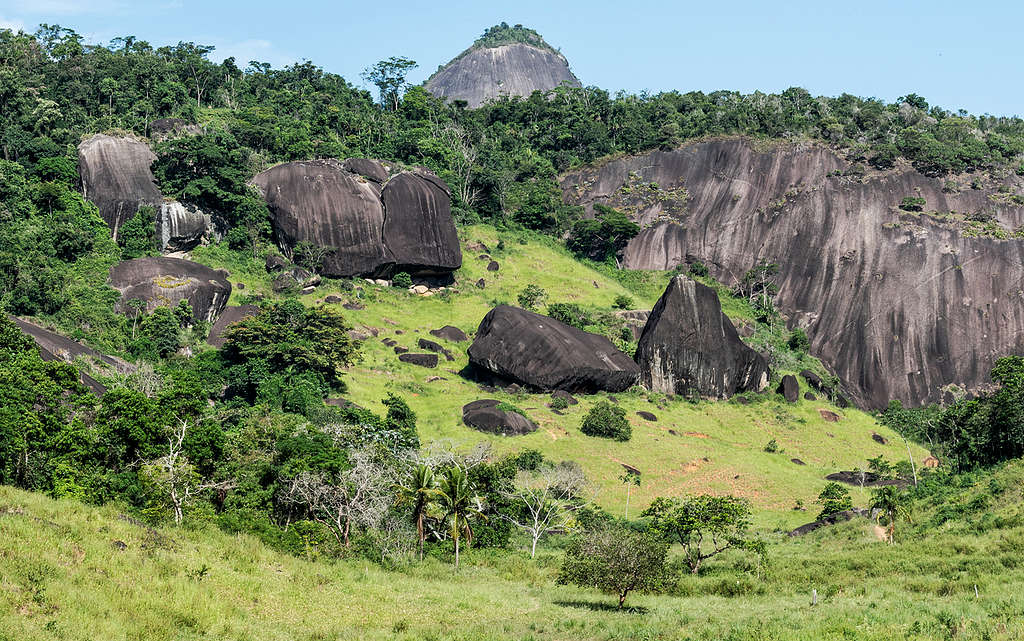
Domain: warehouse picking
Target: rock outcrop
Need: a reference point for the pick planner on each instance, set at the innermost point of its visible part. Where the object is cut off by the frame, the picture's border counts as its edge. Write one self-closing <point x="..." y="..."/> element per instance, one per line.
<point x="162" y="282"/>
<point x="53" y="347"/>
<point x="181" y="228"/>
<point x="450" y="333"/>
<point x="116" y="177"/>
<point x="166" y="128"/>
<point x="689" y="347"/>
<point x="419" y="231"/>
<point x="544" y="353"/>
<point x="790" y="388"/>
<point x="487" y="415"/>
<point x="231" y="315"/>
<point x="897" y="304"/>
<point x="483" y="73"/>
<point x="370" y="230"/>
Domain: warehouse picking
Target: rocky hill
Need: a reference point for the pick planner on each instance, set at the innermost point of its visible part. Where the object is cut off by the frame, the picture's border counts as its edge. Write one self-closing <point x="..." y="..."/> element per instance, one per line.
<point x="902" y="299"/>
<point x="513" y="61"/>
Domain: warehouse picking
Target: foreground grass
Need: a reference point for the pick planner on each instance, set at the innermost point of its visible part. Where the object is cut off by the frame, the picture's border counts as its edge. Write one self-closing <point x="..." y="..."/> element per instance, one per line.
<point x="68" y="571"/>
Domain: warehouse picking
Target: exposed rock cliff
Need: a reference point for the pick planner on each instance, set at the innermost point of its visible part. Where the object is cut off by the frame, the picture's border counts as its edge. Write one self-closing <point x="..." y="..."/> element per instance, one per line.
<point x="897" y="304"/>
<point x="116" y="177"/>
<point x="544" y="353"/>
<point x="689" y="347"/>
<point x="180" y="228"/>
<point x="517" y="69"/>
<point x="419" y="230"/>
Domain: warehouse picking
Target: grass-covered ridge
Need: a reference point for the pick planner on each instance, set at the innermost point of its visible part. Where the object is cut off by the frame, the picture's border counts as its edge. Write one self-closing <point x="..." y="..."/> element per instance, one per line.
<point x="693" y="447"/>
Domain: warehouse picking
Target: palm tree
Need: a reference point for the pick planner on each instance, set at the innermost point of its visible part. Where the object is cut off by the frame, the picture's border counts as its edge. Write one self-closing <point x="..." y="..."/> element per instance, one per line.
<point x="420" y="492"/>
<point x="893" y="504"/>
<point x="455" y="495"/>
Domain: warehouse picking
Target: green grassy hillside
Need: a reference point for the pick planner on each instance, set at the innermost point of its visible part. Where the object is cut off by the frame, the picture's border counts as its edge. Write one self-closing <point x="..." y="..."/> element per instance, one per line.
<point x="692" y="447"/>
<point x="69" y="571"/>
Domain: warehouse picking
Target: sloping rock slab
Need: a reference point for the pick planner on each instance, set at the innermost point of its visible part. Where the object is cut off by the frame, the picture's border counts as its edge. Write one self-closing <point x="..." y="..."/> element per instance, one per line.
<point x="450" y="333"/>
<point x="831" y="519"/>
<point x="484" y="415"/>
<point x="367" y="168"/>
<point x="871" y="479"/>
<point x="419" y="230"/>
<point x="231" y="314"/>
<point x="689" y="346"/>
<point x="162" y="282"/>
<point x="116" y="177"/>
<point x="544" y="353"/>
<point x="423" y="360"/>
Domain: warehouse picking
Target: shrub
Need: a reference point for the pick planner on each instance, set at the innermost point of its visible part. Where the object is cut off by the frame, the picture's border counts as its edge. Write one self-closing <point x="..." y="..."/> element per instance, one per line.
<point x="623" y="302"/>
<point x="798" y="341"/>
<point x="607" y="421"/>
<point x="601" y="237"/>
<point x="559" y="403"/>
<point x="772" y="447"/>
<point x="913" y="203"/>
<point x="570" y="314"/>
<point x="616" y="560"/>
<point x="531" y="297"/>
<point x="509" y="407"/>
<point x="402" y="279"/>
<point x="834" y="498"/>
<point x="698" y="268"/>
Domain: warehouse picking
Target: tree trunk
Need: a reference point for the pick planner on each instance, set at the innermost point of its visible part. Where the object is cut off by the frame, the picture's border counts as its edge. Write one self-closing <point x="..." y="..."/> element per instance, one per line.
<point x="622" y="597"/>
<point x="456" y="548"/>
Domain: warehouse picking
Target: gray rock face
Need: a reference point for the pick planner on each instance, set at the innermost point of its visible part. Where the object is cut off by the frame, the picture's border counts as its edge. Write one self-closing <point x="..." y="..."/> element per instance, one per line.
<point x="116" y="177"/>
<point x="484" y="73"/>
<point x="690" y="347"/>
<point x="53" y="347"/>
<point x="898" y="305"/>
<point x="486" y="416"/>
<point x="181" y="228"/>
<point x="318" y="202"/>
<point x="372" y="233"/>
<point x="231" y="315"/>
<point x="367" y="168"/>
<point x="419" y="230"/>
<point x="541" y="352"/>
<point x="167" y="128"/>
<point x="162" y="282"/>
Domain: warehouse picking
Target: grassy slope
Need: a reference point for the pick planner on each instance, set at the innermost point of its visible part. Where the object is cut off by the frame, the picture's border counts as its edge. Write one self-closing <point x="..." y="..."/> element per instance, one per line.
<point x="62" y="577"/>
<point x="718" y="446"/>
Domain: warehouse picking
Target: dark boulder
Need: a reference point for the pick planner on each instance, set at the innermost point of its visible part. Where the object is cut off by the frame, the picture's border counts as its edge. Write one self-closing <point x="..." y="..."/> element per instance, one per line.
<point x="544" y="353"/>
<point x="332" y="299"/>
<point x="481" y="284"/>
<point x="690" y="347"/>
<point x="493" y="266"/>
<point x="162" y="282"/>
<point x="815" y="382"/>
<point x="449" y="333"/>
<point x="830" y="519"/>
<point x="647" y="416"/>
<point x="569" y="398"/>
<point x="400" y="350"/>
<point x="423" y="360"/>
<point x="810" y="397"/>
<point x="275" y="263"/>
<point x="283" y="282"/>
<point x="790" y="388"/>
<point x="867" y="479"/>
<point x="116" y="177"/>
<point x="367" y="168"/>
<point x="431" y="346"/>
<point x="419" y="231"/>
<point x="486" y="415"/>
<point x="167" y="128"/>
<point x="878" y="438"/>
<point x="320" y="203"/>
<point x="797" y="461"/>
<point x="231" y="314"/>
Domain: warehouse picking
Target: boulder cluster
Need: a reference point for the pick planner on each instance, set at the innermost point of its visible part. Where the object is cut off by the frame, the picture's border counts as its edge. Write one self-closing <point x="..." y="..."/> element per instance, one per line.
<point x="367" y="222"/>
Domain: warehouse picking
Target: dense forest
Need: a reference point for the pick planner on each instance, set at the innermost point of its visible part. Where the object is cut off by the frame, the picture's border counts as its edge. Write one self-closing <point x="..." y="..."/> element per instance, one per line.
<point x="242" y="434"/>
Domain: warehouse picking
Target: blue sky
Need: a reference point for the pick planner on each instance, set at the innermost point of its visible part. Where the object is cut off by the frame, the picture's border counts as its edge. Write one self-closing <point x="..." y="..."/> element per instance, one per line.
<point x="956" y="54"/>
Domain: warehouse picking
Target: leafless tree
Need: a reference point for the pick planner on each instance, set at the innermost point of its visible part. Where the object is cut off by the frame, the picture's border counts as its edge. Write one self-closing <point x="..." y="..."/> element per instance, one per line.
<point x="546" y="498"/>
<point x="442" y="453"/>
<point x="173" y="474"/>
<point x="360" y="495"/>
<point x="462" y="160"/>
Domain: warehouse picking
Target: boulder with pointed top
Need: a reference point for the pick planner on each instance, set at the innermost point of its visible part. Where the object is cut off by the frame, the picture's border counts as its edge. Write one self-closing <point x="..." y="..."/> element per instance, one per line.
<point x="162" y="282"/>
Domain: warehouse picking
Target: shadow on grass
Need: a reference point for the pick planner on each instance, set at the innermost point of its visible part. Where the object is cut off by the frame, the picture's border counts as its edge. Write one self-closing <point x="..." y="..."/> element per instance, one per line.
<point x="601" y="606"/>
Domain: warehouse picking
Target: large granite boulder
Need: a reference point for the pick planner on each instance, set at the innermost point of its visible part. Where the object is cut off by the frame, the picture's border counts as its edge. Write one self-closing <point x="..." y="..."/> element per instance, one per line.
<point x="53" y="347"/>
<point x="116" y="177"/>
<point x="319" y="202"/>
<point x="690" y="347"/>
<point x="419" y="230"/>
<point x="544" y="353"/>
<point x="487" y="415"/>
<point x="231" y="315"/>
<point x="370" y="230"/>
<point x="162" y="282"/>
<point x="790" y="388"/>
<point x="180" y="227"/>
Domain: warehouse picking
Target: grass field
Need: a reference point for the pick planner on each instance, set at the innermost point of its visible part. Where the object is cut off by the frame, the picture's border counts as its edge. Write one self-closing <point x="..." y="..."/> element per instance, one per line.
<point x="692" y="447"/>
<point x="69" y="571"/>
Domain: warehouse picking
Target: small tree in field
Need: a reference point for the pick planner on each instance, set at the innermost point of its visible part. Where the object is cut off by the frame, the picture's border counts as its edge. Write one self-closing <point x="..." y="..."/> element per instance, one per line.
<point x="544" y="498"/>
<point x="834" y="498"/>
<point x="704" y="525"/>
<point x="608" y="421"/>
<point x="616" y="560"/>
<point x="893" y="505"/>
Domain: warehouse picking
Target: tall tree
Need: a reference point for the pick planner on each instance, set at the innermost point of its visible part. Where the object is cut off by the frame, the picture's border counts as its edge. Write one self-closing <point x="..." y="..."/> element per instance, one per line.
<point x="418" y="490"/>
<point x="389" y="77"/>
<point x="458" y="500"/>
